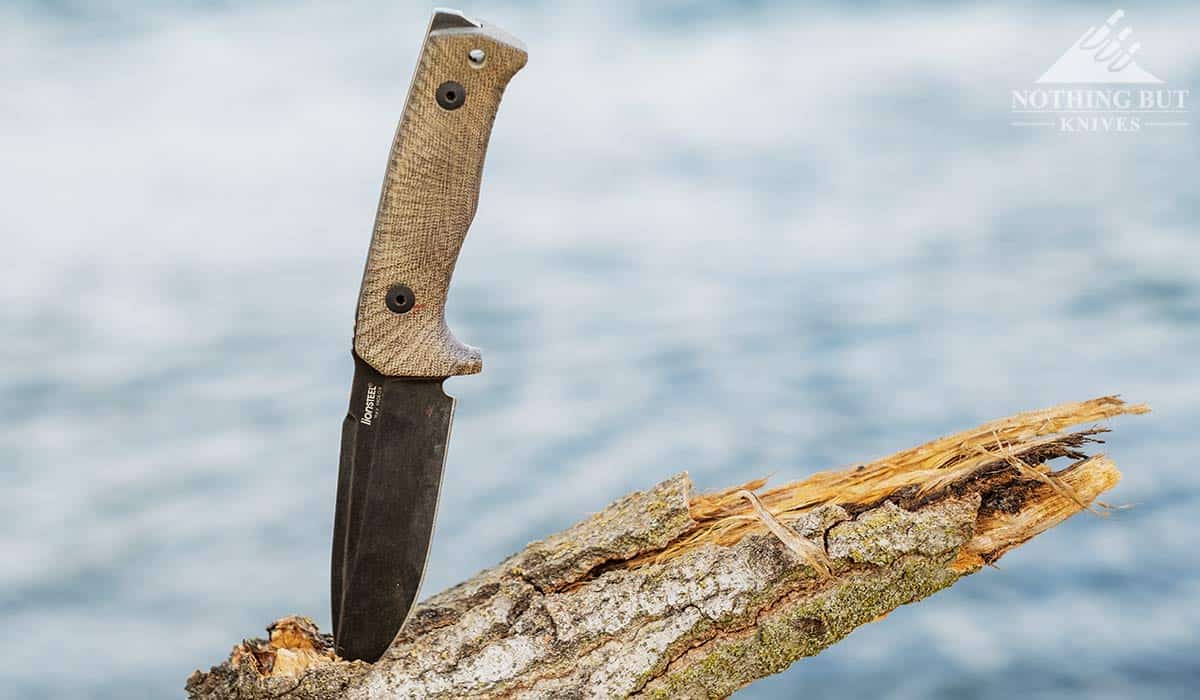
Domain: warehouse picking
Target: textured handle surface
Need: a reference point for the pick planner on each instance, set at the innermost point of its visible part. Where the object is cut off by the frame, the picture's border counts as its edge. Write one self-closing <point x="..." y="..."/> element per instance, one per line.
<point x="429" y="197"/>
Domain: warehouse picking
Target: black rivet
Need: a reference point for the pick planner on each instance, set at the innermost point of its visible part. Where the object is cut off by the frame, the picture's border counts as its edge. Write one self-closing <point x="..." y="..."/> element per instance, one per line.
<point x="400" y="298"/>
<point x="451" y="95"/>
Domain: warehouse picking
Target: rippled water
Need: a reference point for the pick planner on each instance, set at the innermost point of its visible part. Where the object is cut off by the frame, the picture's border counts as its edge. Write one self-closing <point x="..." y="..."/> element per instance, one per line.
<point x="734" y="242"/>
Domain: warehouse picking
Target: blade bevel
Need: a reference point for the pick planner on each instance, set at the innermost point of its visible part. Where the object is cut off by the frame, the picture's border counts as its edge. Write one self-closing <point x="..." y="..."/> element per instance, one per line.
<point x="389" y="480"/>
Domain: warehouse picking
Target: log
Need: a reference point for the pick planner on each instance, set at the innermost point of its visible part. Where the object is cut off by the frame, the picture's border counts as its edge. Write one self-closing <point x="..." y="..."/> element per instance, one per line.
<point x="668" y="594"/>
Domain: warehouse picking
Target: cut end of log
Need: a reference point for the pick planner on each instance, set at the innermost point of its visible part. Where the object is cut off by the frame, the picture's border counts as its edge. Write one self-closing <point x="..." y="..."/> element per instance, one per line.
<point x="672" y="595"/>
<point x="293" y="645"/>
<point x="294" y="653"/>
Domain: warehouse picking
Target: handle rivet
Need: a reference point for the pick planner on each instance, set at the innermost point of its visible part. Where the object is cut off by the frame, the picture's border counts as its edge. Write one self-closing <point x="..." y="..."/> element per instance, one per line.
<point x="400" y="298"/>
<point x="451" y="95"/>
<point x="476" y="57"/>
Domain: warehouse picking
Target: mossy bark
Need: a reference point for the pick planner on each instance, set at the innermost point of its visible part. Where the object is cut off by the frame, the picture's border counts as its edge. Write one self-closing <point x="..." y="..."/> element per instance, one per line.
<point x="568" y="617"/>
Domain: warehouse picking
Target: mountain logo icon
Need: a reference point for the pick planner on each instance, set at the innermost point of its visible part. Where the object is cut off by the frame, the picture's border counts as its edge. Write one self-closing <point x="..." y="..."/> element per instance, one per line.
<point x="1103" y="54"/>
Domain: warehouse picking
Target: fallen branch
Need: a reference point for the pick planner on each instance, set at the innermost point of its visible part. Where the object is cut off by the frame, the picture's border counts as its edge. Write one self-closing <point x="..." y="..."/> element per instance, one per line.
<point x="669" y="595"/>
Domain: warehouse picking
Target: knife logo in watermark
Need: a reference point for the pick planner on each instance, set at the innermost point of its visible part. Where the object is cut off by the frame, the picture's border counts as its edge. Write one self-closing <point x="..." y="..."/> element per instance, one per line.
<point x="1073" y="100"/>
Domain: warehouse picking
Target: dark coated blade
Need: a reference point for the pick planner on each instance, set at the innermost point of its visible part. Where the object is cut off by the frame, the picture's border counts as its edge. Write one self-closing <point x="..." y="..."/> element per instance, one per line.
<point x="393" y="451"/>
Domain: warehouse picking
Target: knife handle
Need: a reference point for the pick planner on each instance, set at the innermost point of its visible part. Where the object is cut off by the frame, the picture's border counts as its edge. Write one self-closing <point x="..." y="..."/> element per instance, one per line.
<point x="430" y="193"/>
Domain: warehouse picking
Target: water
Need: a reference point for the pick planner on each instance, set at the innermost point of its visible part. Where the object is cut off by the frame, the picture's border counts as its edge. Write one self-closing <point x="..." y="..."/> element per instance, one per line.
<point x="735" y="242"/>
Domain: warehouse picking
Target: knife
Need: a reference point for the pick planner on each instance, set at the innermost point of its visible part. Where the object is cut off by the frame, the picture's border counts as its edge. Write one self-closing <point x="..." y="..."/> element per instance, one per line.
<point x="395" y="433"/>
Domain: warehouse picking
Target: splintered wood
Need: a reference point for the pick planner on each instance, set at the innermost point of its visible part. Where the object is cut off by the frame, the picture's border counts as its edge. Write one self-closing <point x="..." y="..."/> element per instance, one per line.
<point x="1001" y="459"/>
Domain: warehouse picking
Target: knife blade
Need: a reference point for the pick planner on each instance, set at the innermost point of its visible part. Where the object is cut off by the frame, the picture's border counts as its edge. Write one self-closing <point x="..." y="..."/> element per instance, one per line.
<point x="397" y="427"/>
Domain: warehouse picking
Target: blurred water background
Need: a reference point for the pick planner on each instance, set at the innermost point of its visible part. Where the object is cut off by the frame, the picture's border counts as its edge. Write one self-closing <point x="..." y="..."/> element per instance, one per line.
<point x="731" y="238"/>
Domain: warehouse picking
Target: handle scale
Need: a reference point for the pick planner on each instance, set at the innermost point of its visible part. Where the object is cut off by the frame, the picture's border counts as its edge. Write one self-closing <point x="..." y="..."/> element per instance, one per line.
<point x="429" y="197"/>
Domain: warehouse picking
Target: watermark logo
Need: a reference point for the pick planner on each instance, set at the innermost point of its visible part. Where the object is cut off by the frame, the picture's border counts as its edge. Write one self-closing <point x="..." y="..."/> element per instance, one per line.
<point x="1073" y="100"/>
<point x="1103" y="54"/>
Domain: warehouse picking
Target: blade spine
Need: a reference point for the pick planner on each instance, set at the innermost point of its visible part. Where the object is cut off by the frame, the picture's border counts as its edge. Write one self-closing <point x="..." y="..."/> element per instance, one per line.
<point x="340" y="545"/>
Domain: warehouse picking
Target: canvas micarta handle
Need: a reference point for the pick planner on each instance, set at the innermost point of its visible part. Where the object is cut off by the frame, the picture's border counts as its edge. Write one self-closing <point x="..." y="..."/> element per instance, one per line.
<point x="429" y="197"/>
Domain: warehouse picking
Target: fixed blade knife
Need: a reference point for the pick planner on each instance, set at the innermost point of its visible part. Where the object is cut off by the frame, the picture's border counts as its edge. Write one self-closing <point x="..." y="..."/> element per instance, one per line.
<point x="396" y="430"/>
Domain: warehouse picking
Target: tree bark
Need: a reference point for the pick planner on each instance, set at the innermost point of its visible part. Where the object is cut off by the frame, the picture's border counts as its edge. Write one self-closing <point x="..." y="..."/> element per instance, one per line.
<point x="666" y="594"/>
